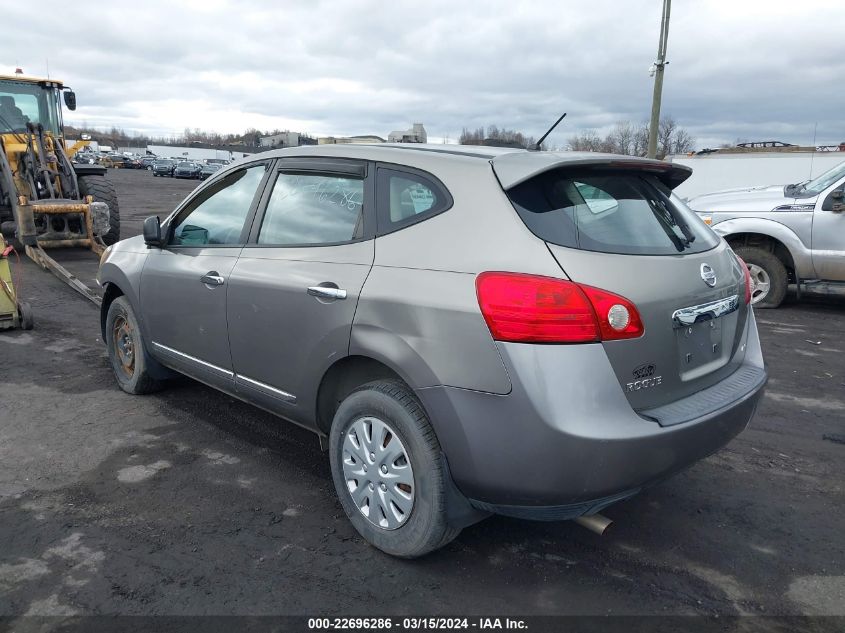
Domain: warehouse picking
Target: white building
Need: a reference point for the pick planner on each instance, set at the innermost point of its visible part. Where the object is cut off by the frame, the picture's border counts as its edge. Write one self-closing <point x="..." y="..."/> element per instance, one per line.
<point x="730" y="170"/>
<point x="282" y="139"/>
<point x="415" y="135"/>
<point x="366" y="139"/>
<point x="196" y="153"/>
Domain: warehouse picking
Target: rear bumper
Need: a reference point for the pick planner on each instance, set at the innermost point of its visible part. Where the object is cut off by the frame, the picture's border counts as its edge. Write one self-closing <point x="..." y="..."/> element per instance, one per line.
<point x="565" y="442"/>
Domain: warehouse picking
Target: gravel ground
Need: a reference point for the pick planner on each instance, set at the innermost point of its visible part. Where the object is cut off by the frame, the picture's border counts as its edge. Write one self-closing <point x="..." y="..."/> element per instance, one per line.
<point x="190" y="502"/>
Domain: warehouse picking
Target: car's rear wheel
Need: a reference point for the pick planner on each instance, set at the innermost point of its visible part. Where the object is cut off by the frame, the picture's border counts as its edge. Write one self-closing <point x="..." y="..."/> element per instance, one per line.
<point x="126" y="349"/>
<point x="388" y="470"/>
<point x="768" y="276"/>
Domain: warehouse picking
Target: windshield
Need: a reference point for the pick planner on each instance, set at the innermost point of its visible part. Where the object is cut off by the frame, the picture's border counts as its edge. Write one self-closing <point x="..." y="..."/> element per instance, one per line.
<point x="820" y="183"/>
<point x="609" y="212"/>
<point x="22" y="103"/>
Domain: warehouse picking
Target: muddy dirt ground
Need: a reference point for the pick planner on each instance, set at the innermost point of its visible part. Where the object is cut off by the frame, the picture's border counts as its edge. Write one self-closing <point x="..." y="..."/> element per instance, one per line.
<point x="190" y="502"/>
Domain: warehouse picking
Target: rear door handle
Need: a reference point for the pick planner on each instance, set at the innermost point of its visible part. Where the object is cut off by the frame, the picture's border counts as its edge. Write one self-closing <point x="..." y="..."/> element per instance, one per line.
<point x="212" y="278"/>
<point x="326" y="292"/>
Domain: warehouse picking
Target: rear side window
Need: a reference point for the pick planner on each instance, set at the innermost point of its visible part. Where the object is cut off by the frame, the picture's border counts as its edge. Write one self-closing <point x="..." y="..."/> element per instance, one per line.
<point x="609" y="212"/>
<point x="407" y="197"/>
<point x="312" y="209"/>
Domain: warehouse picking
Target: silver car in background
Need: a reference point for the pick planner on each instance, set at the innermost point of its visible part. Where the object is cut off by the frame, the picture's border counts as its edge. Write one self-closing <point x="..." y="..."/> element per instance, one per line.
<point x="468" y="330"/>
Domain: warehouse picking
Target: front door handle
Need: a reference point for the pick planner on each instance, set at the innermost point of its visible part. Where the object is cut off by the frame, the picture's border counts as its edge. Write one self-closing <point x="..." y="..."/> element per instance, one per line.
<point x="212" y="278"/>
<point x="326" y="292"/>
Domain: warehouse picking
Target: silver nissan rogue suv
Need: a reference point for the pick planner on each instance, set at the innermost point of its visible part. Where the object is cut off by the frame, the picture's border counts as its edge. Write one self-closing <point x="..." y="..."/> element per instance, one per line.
<point x="468" y="330"/>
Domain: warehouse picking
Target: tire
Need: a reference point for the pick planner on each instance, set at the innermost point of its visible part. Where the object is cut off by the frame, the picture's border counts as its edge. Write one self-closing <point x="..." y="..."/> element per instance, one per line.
<point x="763" y="266"/>
<point x="423" y="527"/>
<point x="130" y="370"/>
<point x="26" y="316"/>
<point x="103" y="191"/>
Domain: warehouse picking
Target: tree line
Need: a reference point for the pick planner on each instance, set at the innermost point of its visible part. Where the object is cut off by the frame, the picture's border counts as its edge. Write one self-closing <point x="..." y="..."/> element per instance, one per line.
<point x="495" y="136"/>
<point x="624" y="138"/>
<point x="116" y="136"/>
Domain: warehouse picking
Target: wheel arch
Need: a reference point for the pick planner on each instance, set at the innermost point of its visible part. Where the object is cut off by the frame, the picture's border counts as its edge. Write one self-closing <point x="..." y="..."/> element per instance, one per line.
<point x="342" y="378"/>
<point x="775" y="237"/>
<point x="767" y="242"/>
<point x="112" y="292"/>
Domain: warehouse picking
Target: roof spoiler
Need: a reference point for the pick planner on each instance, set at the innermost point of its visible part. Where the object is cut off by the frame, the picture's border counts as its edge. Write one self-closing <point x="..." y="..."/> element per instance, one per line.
<point x="517" y="167"/>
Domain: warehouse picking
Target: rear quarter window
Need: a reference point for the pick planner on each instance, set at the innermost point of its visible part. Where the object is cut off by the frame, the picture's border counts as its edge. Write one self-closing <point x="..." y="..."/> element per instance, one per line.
<point x="406" y="197"/>
<point x="609" y="212"/>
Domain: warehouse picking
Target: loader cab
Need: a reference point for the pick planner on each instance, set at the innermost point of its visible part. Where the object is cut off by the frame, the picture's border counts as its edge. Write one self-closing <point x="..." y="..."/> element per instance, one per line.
<point x="27" y="100"/>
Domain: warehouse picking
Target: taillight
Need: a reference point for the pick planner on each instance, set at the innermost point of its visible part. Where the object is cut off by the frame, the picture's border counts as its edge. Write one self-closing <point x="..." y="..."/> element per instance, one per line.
<point x="618" y="317"/>
<point x="532" y="309"/>
<point x="747" y="274"/>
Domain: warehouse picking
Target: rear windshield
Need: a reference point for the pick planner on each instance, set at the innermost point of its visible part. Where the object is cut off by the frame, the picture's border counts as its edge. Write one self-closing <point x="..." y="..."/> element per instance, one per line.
<point x="609" y="212"/>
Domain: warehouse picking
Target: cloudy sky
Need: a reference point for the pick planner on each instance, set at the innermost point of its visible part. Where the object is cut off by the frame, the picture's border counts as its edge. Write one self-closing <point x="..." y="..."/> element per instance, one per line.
<point x="751" y="69"/>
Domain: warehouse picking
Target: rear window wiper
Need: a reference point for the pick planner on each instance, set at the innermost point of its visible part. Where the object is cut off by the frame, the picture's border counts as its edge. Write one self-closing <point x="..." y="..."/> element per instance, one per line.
<point x="675" y="219"/>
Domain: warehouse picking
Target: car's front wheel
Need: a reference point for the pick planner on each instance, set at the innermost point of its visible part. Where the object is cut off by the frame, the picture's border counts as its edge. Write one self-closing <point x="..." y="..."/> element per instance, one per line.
<point x="126" y="349"/>
<point x="388" y="470"/>
<point x="768" y="276"/>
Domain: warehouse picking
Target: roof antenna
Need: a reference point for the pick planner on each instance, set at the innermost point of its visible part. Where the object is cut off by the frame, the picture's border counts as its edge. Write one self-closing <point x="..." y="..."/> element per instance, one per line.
<point x="536" y="147"/>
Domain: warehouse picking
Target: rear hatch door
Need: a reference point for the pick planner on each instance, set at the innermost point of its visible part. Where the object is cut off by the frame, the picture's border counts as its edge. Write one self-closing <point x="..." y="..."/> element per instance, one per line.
<point x="614" y="224"/>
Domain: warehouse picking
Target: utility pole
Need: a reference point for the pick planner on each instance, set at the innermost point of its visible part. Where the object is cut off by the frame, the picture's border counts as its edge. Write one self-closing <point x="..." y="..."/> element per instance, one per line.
<point x="657" y="71"/>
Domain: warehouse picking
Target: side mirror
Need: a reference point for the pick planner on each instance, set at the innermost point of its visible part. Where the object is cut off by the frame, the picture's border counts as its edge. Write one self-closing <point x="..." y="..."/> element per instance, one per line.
<point x="70" y="99"/>
<point x="834" y="201"/>
<point x="152" y="231"/>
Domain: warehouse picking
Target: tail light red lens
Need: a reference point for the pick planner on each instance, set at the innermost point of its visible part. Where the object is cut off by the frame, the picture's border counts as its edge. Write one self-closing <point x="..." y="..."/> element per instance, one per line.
<point x="747" y="275"/>
<point x="532" y="309"/>
<point x="618" y="318"/>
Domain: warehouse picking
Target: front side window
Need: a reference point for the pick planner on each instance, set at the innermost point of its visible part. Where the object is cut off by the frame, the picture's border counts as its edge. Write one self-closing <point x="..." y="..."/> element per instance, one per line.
<point x="307" y="209"/>
<point x="218" y="214"/>
<point x="609" y="212"/>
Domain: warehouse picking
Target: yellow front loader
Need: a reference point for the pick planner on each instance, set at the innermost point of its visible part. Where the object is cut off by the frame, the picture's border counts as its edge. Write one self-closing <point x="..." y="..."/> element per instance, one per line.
<point x="47" y="201"/>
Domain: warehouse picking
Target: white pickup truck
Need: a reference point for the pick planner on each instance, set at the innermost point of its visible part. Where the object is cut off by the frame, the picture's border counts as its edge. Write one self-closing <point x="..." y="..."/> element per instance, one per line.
<point x="785" y="233"/>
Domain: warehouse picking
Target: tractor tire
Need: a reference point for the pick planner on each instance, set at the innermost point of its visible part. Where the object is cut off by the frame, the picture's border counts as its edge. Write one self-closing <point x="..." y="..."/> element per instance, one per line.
<point x="103" y="191"/>
<point x="768" y="276"/>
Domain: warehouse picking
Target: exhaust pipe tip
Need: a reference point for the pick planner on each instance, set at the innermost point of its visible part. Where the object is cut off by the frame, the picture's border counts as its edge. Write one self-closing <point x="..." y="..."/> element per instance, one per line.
<point x="596" y="523"/>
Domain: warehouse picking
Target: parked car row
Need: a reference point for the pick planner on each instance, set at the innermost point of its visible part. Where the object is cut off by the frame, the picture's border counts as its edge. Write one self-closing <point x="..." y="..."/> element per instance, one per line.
<point x="183" y="169"/>
<point x="171" y="167"/>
